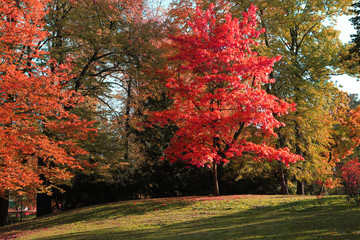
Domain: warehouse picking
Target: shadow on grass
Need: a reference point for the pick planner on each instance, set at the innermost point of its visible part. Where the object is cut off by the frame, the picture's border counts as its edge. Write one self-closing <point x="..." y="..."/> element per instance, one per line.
<point x="303" y="219"/>
<point x="97" y="213"/>
<point x="295" y="220"/>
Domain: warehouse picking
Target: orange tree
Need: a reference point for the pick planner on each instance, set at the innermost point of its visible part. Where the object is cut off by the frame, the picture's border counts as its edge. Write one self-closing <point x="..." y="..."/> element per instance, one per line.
<point x="38" y="136"/>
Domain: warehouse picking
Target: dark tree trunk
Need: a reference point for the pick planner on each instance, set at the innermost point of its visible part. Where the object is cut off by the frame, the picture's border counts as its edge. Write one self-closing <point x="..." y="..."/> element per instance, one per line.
<point x="283" y="182"/>
<point x="282" y="173"/>
<point x="300" y="190"/>
<point x="4" y="210"/>
<point x="300" y="185"/>
<point x="220" y="173"/>
<point x="215" y="180"/>
<point x="43" y="204"/>
<point x="127" y="121"/>
<point x="322" y="187"/>
<point x="43" y="201"/>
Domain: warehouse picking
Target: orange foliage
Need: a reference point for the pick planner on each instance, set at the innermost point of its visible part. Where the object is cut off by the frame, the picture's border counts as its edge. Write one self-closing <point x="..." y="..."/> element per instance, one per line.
<point x="34" y="125"/>
<point x="347" y="133"/>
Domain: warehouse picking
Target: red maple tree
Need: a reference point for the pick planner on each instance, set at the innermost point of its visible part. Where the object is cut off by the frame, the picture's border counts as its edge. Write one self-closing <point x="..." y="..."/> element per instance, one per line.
<point x="38" y="135"/>
<point x="351" y="179"/>
<point x="218" y="102"/>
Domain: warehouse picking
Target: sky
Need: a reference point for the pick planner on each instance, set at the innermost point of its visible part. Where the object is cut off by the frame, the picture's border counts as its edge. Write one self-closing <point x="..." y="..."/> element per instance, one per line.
<point x="348" y="84"/>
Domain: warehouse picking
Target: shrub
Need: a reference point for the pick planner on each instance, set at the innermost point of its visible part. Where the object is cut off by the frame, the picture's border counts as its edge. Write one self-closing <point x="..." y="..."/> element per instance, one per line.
<point x="351" y="179"/>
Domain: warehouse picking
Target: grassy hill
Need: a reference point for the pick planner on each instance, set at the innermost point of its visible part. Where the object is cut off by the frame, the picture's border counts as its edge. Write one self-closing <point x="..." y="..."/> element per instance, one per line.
<point x="225" y="217"/>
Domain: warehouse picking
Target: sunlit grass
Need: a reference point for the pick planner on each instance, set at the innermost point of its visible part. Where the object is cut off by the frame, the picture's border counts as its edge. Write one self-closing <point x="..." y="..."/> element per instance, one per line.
<point x="227" y="217"/>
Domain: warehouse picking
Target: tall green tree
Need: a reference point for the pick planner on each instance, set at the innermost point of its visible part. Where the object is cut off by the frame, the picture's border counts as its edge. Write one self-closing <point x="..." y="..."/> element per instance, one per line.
<point x="113" y="48"/>
<point x="90" y="34"/>
<point x="116" y="54"/>
<point x="354" y="51"/>
<point x="303" y="33"/>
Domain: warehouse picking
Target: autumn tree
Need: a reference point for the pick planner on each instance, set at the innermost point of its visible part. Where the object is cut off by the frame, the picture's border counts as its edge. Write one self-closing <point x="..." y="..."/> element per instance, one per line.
<point x="38" y="136"/>
<point x="116" y="54"/>
<point x="347" y="133"/>
<point x="351" y="179"/>
<point x="89" y="33"/>
<point x="351" y="61"/>
<point x="310" y="51"/>
<point x="116" y="45"/>
<point x="217" y="94"/>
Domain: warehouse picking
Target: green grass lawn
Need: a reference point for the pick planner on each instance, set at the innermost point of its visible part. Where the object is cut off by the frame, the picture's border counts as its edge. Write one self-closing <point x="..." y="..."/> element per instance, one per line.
<point x="226" y="217"/>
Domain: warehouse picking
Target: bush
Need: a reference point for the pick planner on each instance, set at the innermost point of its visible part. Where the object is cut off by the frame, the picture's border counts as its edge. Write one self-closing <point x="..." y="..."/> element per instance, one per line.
<point x="351" y="179"/>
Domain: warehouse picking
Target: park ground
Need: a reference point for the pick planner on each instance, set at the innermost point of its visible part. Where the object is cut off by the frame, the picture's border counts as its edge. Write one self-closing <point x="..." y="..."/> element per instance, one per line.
<point x="224" y="217"/>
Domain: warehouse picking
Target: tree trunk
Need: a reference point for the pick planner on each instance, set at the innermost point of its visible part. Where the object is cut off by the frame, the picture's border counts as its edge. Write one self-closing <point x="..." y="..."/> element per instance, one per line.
<point x="300" y="185"/>
<point x="4" y="209"/>
<point x="220" y="174"/>
<point x="300" y="188"/>
<point x="282" y="174"/>
<point x="215" y="178"/>
<point x="127" y="120"/>
<point x="43" y="201"/>
<point x="283" y="182"/>
<point x="43" y="204"/>
<point x="322" y="188"/>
